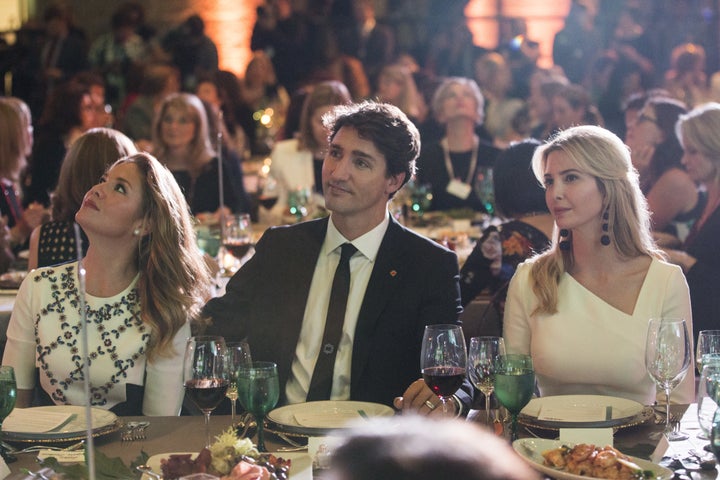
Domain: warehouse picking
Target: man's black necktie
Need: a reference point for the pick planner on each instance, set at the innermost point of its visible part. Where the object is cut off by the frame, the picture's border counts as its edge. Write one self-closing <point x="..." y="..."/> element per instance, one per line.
<point x="322" y="378"/>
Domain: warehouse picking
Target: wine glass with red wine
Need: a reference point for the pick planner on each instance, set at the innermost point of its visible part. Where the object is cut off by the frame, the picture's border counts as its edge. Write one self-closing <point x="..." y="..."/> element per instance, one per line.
<point x="443" y="360"/>
<point x="205" y="374"/>
<point x="237" y="235"/>
<point x="268" y="191"/>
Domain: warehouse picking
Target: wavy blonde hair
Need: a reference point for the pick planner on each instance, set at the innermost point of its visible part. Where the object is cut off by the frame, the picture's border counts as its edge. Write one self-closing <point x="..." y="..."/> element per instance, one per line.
<point x="174" y="279"/>
<point x="601" y="154"/>
<point x="699" y="129"/>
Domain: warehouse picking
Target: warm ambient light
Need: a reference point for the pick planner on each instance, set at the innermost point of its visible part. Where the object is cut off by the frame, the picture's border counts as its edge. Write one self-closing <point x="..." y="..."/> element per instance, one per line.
<point x="543" y="20"/>
<point x="230" y="24"/>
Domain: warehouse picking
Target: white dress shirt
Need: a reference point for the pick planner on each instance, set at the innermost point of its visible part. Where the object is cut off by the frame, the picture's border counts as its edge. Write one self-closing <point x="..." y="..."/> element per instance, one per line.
<point x="311" y="333"/>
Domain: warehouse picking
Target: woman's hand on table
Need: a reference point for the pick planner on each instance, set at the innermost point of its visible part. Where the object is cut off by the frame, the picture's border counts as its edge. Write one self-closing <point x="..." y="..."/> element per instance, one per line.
<point x="417" y="399"/>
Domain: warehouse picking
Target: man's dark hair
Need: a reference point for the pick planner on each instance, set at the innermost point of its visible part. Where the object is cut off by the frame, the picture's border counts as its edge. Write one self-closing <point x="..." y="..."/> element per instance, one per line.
<point x="386" y="126"/>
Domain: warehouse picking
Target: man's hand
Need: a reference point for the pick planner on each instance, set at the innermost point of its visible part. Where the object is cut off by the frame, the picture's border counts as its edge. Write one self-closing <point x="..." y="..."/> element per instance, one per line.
<point x="417" y="399"/>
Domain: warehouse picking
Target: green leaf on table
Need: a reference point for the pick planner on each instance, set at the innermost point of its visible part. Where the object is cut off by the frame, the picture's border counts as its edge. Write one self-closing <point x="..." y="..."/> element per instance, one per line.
<point x="106" y="468"/>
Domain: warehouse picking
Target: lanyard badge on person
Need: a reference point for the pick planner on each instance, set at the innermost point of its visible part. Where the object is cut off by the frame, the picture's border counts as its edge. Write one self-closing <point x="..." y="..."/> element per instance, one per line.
<point x="457" y="187"/>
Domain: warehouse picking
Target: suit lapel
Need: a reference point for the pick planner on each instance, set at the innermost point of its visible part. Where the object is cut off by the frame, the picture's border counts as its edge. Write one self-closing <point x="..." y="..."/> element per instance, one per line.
<point x="305" y="251"/>
<point x="384" y="279"/>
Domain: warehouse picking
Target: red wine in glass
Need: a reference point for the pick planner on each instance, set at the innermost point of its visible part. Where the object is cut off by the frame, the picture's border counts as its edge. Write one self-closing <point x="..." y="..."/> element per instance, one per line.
<point x="443" y="360"/>
<point x="206" y="393"/>
<point x="238" y="249"/>
<point x="205" y="374"/>
<point x="267" y="202"/>
<point x="443" y="381"/>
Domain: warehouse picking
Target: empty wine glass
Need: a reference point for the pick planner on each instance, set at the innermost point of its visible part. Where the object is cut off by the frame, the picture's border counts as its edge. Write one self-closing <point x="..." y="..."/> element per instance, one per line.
<point x="667" y="359"/>
<point x="514" y="385"/>
<point x="443" y="360"/>
<point x="205" y="375"/>
<point x="238" y="355"/>
<point x="708" y="345"/>
<point x="707" y="400"/>
<point x="482" y="358"/>
<point x="259" y="391"/>
<point x="8" y="393"/>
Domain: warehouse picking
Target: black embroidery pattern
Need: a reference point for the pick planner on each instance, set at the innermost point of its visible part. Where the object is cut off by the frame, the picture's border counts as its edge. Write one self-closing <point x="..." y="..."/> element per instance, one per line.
<point x="66" y="303"/>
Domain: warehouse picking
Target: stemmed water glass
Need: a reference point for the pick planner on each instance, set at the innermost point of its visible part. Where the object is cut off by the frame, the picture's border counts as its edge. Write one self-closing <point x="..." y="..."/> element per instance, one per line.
<point x="205" y="375"/>
<point x="238" y="355"/>
<point x="8" y="393"/>
<point x="259" y="391"/>
<point x="482" y="358"/>
<point x="514" y="385"/>
<point x="708" y="346"/>
<point x="707" y="399"/>
<point x="667" y="359"/>
<point x="443" y="360"/>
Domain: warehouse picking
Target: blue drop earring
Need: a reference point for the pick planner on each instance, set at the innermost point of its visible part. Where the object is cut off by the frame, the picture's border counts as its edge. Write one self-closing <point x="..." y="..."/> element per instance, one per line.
<point x="564" y="243"/>
<point x="605" y="238"/>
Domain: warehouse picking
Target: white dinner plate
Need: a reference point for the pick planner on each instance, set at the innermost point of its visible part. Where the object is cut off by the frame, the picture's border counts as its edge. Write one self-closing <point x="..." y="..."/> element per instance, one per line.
<point x="571" y="410"/>
<point x="74" y="428"/>
<point x="321" y="417"/>
<point x="530" y="449"/>
<point x="300" y="468"/>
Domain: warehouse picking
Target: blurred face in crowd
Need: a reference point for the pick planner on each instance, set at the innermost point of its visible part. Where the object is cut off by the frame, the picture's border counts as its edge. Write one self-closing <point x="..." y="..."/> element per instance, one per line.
<point x="698" y="165"/>
<point x="458" y="102"/>
<point x="389" y="87"/>
<point x="643" y="133"/>
<point x="540" y="106"/>
<point x="89" y="112"/>
<point x="318" y="130"/>
<point x="572" y="196"/>
<point x="208" y="92"/>
<point x="177" y="128"/>
<point x="564" y="114"/>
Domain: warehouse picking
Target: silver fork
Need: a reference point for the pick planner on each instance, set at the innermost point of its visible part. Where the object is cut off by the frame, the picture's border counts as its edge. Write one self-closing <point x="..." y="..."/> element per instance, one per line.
<point x="294" y="446"/>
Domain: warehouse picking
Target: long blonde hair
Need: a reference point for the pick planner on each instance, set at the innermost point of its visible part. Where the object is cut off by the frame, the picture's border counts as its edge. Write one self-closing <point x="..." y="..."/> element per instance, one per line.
<point x="174" y="279"/>
<point x="600" y="153"/>
<point x="699" y="129"/>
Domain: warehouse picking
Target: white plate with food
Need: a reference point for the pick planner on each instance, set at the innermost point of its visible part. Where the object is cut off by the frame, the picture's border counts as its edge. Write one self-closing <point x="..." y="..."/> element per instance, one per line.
<point x="532" y="449"/>
<point x="300" y="467"/>
<point x="56" y="423"/>
<point x="579" y="411"/>
<point x="321" y="417"/>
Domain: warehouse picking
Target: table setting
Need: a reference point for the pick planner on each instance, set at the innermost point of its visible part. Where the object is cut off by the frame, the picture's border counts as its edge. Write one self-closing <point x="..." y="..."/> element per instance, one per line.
<point x="295" y="439"/>
<point x="661" y="441"/>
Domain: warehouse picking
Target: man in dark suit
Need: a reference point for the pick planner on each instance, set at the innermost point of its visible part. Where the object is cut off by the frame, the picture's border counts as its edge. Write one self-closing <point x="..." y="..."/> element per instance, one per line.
<point x="399" y="283"/>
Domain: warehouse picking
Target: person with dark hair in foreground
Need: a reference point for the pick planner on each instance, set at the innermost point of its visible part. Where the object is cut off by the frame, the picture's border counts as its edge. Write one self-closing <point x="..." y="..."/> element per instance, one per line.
<point x="398" y="281"/>
<point x="417" y="448"/>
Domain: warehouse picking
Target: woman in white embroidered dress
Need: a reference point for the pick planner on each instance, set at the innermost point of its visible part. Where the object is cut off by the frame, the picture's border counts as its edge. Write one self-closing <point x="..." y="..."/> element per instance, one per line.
<point x="145" y="281"/>
<point x="581" y="309"/>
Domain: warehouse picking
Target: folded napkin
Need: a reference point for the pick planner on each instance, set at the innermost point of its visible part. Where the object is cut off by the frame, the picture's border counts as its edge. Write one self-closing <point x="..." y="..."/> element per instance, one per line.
<point x="576" y="413"/>
<point x="33" y="420"/>
<point x="327" y="420"/>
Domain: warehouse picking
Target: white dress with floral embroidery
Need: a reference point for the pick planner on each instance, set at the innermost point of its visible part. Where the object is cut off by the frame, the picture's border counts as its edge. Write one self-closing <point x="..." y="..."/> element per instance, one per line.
<point x="44" y="333"/>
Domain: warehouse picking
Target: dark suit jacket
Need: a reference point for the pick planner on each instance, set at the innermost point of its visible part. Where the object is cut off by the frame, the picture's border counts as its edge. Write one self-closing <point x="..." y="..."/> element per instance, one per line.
<point x="704" y="277"/>
<point x="414" y="283"/>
